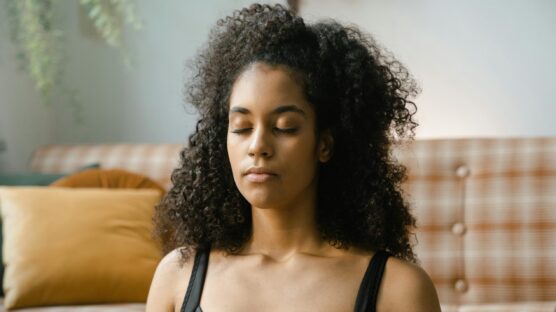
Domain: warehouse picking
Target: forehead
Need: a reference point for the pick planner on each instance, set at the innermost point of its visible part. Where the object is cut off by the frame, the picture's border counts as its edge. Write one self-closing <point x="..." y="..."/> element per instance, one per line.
<point x="261" y="87"/>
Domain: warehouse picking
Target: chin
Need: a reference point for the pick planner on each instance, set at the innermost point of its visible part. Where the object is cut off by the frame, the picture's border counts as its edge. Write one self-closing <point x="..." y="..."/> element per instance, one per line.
<point x="263" y="203"/>
<point x="264" y="200"/>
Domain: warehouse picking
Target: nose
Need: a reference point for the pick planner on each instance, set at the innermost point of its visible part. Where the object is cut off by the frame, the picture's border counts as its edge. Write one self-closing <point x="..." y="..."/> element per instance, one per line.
<point x="260" y="145"/>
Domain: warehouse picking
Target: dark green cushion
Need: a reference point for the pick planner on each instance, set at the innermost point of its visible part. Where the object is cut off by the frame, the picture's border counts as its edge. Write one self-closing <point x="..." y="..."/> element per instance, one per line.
<point x="36" y="179"/>
<point x="29" y="179"/>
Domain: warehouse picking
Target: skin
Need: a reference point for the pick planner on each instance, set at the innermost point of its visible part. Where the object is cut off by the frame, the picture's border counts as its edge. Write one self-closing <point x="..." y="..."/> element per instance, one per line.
<point x="295" y="269"/>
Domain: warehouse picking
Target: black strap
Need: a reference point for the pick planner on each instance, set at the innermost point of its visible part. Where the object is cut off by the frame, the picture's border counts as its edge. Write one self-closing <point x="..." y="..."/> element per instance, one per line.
<point x="368" y="291"/>
<point x="196" y="281"/>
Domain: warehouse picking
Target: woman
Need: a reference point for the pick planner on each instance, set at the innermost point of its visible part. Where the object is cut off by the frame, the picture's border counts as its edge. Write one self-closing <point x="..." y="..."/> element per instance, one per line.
<point x="287" y="198"/>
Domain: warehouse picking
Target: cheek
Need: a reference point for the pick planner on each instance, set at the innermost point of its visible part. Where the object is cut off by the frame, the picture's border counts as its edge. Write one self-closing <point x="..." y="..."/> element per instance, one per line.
<point x="233" y="153"/>
<point x="301" y="157"/>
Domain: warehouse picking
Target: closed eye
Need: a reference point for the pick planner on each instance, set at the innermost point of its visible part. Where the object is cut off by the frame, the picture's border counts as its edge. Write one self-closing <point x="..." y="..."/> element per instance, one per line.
<point x="285" y="130"/>
<point x="280" y="130"/>
<point x="240" y="131"/>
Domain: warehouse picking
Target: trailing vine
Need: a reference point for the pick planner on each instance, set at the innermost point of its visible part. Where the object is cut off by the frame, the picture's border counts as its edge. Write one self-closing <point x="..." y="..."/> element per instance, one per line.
<point x="38" y="39"/>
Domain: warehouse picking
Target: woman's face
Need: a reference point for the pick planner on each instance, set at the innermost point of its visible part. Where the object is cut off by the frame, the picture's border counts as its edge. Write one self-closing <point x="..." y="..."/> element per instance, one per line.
<point x="272" y="144"/>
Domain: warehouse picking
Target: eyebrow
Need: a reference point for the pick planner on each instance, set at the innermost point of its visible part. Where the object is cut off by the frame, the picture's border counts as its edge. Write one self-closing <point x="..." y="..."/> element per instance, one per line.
<point x="278" y="110"/>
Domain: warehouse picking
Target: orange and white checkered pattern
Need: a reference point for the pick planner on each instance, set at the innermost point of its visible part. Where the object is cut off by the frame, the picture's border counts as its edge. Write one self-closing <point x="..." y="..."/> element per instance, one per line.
<point x="153" y="160"/>
<point x="486" y="211"/>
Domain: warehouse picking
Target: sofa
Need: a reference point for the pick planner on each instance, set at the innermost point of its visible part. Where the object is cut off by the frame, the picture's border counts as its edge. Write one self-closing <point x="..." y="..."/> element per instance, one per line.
<point x="485" y="208"/>
<point x="486" y="213"/>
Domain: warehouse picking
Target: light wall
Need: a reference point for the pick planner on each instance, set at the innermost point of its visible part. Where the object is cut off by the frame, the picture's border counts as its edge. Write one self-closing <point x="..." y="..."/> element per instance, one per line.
<point x="143" y="103"/>
<point x="24" y="122"/>
<point x="486" y="69"/>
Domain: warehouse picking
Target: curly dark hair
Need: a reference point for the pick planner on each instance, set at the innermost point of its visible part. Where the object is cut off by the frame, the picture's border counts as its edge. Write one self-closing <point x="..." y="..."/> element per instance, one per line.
<point x="359" y="91"/>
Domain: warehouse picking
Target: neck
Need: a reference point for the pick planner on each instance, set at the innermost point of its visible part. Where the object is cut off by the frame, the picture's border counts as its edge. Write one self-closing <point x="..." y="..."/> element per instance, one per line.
<point x="280" y="233"/>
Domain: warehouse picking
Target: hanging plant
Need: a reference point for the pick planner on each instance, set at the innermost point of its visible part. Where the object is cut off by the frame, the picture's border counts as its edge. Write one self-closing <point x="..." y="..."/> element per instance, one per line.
<point x="38" y="41"/>
<point x="108" y="17"/>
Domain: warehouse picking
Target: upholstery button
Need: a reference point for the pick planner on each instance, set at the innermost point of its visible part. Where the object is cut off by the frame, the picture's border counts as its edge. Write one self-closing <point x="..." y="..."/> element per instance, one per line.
<point x="459" y="228"/>
<point x="463" y="171"/>
<point x="461" y="285"/>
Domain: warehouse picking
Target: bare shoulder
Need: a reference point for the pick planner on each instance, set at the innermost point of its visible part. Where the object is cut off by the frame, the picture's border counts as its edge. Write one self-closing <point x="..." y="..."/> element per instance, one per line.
<point x="169" y="283"/>
<point x="406" y="287"/>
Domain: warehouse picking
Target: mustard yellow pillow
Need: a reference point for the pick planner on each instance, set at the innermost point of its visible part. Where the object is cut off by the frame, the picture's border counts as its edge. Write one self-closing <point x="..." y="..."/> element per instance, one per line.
<point x="77" y="246"/>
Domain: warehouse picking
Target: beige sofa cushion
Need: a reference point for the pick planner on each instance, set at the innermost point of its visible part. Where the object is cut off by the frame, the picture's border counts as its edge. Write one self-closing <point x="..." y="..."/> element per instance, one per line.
<point x="503" y="307"/>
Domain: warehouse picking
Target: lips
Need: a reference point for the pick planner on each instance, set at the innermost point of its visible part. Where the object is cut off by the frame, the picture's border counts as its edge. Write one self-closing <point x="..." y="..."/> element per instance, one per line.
<point x="259" y="170"/>
<point x="259" y="174"/>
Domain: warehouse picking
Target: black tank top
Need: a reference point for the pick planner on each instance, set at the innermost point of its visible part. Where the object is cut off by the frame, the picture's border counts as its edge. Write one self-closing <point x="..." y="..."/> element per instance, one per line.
<point x="366" y="297"/>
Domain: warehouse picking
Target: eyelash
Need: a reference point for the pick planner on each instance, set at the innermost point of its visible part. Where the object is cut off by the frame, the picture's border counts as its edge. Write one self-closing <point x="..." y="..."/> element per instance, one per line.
<point x="280" y="130"/>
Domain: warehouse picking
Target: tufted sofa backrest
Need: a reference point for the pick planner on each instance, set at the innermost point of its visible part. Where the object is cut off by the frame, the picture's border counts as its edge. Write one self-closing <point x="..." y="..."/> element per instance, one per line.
<point x="486" y="211"/>
<point x="153" y="160"/>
